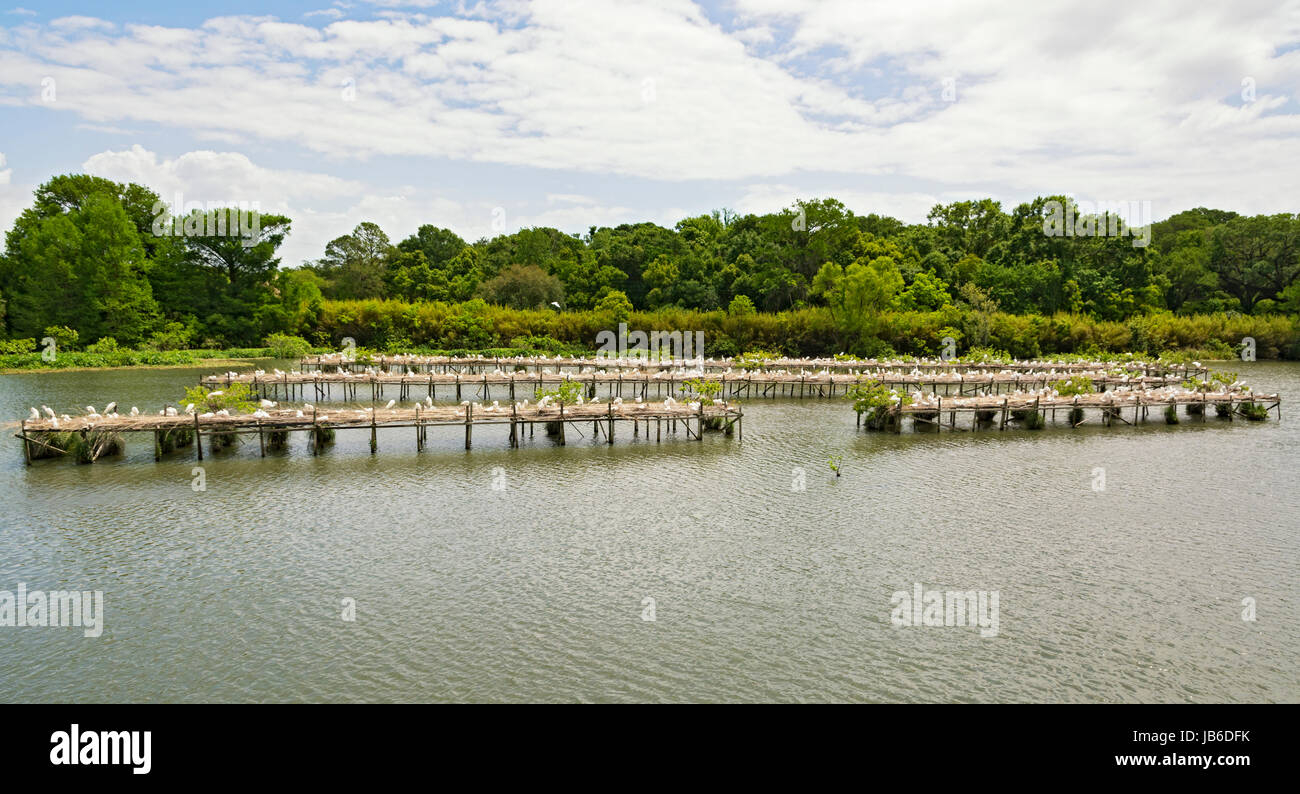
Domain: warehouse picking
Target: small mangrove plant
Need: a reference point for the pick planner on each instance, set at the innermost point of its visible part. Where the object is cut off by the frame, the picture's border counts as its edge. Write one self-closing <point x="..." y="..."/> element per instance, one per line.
<point x="876" y="405"/>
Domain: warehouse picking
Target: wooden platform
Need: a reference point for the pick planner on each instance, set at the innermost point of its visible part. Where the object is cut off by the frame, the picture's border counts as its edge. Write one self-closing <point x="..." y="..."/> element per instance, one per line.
<point x="480" y="364"/>
<point x="604" y="417"/>
<point x="373" y="387"/>
<point x="1109" y="407"/>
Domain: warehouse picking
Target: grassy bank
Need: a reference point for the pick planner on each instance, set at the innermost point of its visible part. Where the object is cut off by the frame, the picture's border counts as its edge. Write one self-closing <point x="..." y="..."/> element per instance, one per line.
<point x="80" y="360"/>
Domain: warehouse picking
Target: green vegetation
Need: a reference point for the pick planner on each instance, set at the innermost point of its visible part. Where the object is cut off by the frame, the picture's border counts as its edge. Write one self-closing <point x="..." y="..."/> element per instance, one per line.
<point x="1254" y="412"/>
<point x="876" y="402"/>
<point x="1076" y="385"/>
<point x="236" y="398"/>
<point x="567" y="393"/>
<point x="701" y="389"/>
<point x="81" y="447"/>
<point x="86" y="263"/>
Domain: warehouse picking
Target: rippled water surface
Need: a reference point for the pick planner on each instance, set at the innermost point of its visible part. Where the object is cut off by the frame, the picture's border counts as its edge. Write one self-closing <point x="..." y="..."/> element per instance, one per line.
<point x="761" y="591"/>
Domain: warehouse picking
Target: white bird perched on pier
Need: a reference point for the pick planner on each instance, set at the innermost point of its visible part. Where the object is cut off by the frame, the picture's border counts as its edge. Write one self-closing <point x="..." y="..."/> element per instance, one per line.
<point x="108" y="409"/>
<point x="222" y="412"/>
<point x="36" y="415"/>
<point x="189" y="408"/>
<point x="308" y="407"/>
<point x="49" y="412"/>
<point x="428" y="402"/>
<point x="267" y="404"/>
<point x="135" y="411"/>
<point x="90" y="409"/>
<point x="171" y="411"/>
<point x="259" y="413"/>
<point x="298" y="414"/>
<point x="216" y="393"/>
<point x="390" y="404"/>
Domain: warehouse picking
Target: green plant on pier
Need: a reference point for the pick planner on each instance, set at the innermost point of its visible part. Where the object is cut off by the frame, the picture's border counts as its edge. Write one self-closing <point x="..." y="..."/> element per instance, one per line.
<point x="1079" y="384"/>
<point x="567" y="393"/>
<point x="236" y="398"/>
<point x="877" y="403"/>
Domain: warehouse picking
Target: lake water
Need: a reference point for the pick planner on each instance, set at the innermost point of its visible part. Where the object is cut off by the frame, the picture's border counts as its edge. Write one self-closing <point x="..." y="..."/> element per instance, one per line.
<point x="537" y="590"/>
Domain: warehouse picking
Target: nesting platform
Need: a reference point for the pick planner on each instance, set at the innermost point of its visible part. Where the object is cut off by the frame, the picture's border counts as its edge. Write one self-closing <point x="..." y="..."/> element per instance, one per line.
<point x="480" y="364"/>
<point x="1110" y="407"/>
<point x="272" y="428"/>
<point x="347" y="386"/>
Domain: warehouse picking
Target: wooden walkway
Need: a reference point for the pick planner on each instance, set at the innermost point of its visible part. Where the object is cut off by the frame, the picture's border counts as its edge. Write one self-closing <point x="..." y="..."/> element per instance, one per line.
<point x="272" y="427"/>
<point x="1110" y="407"/>
<point x="468" y="365"/>
<point x="325" y="386"/>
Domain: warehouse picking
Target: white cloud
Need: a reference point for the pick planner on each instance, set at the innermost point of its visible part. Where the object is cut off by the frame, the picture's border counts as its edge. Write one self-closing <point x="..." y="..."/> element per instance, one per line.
<point x="1125" y="101"/>
<point x="5" y="173"/>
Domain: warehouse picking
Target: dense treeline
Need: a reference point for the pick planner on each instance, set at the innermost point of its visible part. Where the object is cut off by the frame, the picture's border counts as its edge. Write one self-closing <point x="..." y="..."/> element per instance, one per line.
<point x="397" y="326"/>
<point x="90" y="259"/>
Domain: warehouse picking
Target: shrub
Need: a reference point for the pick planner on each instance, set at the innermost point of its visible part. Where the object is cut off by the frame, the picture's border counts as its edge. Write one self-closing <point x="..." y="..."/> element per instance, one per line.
<point x="12" y="347"/>
<point x="741" y="306"/>
<point x="236" y="398"/>
<point x="105" y="345"/>
<point x="173" y="336"/>
<point x="287" y="346"/>
<point x="65" y="338"/>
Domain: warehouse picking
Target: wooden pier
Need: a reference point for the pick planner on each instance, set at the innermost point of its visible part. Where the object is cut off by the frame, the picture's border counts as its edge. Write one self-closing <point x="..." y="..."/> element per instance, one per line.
<point x="469" y="365"/>
<point x="1110" y="408"/>
<point x="346" y="386"/>
<point x="272" y="427"/>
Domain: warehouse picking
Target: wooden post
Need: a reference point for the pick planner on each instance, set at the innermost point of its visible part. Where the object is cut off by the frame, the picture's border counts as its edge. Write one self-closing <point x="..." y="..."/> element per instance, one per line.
<point x="374" y="439"/>
<point x="198" y="437"/>
<point x="261" y="440"/>
<point x="611" y="422"/>
<point x="469" y="418"/>
<point x="561" y="424"/>
<point x="27" y="447"/>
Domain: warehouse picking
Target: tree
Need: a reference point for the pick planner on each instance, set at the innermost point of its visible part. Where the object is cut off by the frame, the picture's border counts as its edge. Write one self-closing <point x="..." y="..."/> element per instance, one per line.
<point x="858" y="293"/>
<point x="522" y="287"/>
<point x="926" y="293"/>
<point x="76" y="259"/>
<point x="1256" y="257"/>
<point x="354" y="265"/>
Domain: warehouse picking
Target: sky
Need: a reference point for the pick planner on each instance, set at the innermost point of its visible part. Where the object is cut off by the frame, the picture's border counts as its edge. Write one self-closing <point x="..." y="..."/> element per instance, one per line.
<point x="486" y="117"/>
